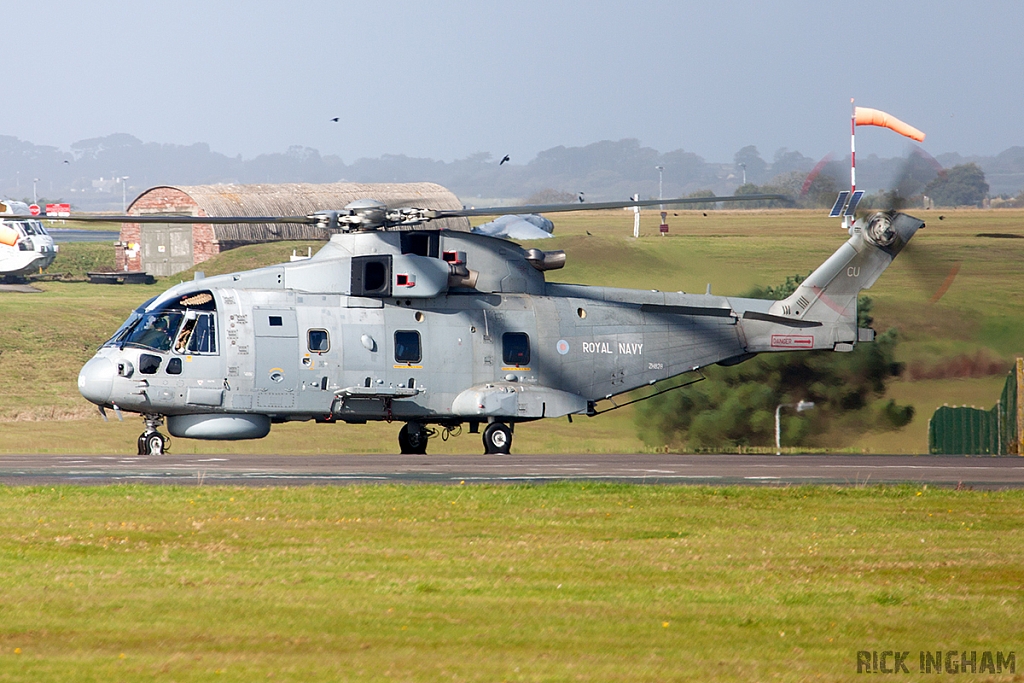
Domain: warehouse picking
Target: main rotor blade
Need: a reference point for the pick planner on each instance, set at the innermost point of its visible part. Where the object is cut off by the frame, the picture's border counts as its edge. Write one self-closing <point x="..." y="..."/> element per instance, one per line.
<point x="215" y="220"/>
<point x="561" y="208"/>
<point x="428" y="214"/>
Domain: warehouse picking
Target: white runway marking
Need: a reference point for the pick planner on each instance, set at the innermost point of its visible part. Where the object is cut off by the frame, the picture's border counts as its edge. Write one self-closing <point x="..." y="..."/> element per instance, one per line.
<point x="972" y="468"/>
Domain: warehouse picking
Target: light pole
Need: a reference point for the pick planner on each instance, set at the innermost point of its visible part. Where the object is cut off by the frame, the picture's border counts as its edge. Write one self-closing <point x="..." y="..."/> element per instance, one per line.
<point x="663" y="228"/>
<point x="800" y="406"/>
<point x="636" y="218"/>
<point x="34" y="199"/>
<point x="124" y="197"/>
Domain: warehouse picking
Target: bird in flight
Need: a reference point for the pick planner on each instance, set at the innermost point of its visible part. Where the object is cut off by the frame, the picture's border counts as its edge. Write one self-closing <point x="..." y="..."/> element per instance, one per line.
<point x="335" y="119"/>
<point x="504" y="159"/>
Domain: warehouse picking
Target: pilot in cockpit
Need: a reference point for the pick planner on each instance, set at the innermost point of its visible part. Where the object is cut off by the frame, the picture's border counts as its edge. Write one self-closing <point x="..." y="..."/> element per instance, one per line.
<point x="181" y="344"/>
<point x="156" y="333"/>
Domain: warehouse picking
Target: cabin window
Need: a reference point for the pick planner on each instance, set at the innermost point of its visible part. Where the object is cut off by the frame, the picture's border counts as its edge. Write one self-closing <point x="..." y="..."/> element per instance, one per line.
<point x="318" y="341"/>
<point x="407" y="347"/>
<point x="515" y="348"/>
<point x="174" y="366"/>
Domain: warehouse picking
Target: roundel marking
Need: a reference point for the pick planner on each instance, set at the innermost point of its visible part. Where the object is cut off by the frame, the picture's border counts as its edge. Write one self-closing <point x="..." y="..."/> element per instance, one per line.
<point x="562" y="347"/>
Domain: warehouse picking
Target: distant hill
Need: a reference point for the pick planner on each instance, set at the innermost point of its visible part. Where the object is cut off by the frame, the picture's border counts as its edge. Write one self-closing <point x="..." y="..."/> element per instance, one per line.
<point x="88" y="174"/>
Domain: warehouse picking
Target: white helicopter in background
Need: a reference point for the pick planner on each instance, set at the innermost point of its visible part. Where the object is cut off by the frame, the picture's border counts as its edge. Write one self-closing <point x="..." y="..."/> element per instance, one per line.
<point x="25" y="246"/>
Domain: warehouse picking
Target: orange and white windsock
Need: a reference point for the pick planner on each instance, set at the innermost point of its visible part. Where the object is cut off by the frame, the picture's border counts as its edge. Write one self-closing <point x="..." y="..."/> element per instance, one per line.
<point x="875" y="117"/>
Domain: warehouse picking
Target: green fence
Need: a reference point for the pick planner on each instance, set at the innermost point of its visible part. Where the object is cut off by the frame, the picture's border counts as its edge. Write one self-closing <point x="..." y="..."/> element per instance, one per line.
<point x="974" y="431"/>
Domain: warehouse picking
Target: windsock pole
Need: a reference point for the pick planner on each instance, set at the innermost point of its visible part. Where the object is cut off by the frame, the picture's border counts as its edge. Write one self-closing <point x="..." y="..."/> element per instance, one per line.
<point x="847" y="219"/>
<point x="853" y="148"/>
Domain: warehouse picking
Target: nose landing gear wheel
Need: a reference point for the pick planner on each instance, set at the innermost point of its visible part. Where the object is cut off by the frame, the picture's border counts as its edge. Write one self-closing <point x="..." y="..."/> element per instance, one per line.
<point x="412" y="439"/>
<point x="153" y="443"/>
<point x="497" y="439"/>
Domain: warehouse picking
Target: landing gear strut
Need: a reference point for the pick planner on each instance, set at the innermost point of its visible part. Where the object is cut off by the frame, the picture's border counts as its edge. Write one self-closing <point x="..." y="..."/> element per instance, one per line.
<point x="152" y="442"/>
<point x="412" y="439"/>
<point x="497" y="439"/>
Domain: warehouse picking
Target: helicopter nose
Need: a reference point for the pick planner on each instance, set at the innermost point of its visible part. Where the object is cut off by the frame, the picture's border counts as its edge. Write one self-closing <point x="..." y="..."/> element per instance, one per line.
<point x="96" y="380"/>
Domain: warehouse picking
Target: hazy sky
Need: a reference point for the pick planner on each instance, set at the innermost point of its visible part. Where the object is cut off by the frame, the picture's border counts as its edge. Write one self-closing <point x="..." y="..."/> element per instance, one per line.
<point x="445" y="79"/>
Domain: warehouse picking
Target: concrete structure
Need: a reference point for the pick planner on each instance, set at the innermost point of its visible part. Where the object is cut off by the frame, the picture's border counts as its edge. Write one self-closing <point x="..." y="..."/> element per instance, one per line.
<point x="163" y="249"/>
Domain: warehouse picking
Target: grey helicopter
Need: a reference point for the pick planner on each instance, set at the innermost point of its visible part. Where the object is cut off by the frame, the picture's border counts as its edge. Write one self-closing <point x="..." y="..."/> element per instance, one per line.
<point x="392" y="320"/>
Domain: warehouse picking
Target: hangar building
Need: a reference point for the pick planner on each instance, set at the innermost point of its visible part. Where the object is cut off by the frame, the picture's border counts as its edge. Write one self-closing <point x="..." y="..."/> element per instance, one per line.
<point x="163" y="249"/>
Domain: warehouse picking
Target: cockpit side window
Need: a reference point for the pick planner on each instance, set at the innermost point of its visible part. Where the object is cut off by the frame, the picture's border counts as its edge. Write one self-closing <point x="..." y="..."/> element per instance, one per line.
<point x="197" y="334"/>
<point x="204" y="337"/>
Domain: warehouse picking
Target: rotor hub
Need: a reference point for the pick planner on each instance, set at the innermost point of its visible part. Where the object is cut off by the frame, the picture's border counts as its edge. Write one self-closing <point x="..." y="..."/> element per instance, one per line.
<point x="880" y="230"/>
<point x="366" y="214"/>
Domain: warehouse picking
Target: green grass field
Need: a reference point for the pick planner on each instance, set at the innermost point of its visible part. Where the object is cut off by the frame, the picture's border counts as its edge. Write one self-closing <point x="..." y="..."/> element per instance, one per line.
<point x="558" y="582"/>
<point x="956" y="348"/>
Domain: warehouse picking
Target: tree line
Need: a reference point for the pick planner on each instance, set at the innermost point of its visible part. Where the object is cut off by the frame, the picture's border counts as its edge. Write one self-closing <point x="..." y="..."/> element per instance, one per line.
<point x="606" y="170"/>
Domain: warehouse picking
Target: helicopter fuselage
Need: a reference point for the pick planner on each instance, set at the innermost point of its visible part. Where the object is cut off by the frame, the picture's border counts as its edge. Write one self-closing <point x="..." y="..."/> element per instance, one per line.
<point x="437" y="327"/>
<point x="25" y="245"/>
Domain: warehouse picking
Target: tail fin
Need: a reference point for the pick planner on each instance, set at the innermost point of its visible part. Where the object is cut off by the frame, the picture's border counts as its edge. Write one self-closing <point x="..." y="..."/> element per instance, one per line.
<point x="822" y="312"/>
<point x="829" y="294"/>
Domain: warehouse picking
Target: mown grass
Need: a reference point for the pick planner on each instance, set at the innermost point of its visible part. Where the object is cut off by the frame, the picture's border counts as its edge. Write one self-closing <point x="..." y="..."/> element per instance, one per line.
<point x="77" y="260"/>
<point x="45" y="338"/>
<point x="491" y="583"/>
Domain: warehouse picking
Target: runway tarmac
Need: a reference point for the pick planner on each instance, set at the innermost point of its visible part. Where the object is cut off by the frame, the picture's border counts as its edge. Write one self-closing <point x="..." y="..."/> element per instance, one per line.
<point x="751" y="470"/>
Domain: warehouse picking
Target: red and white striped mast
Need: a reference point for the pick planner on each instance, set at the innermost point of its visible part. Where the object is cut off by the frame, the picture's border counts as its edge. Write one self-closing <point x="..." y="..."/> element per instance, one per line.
<point x="868" y="117"/>
<point x="847" y="219"/>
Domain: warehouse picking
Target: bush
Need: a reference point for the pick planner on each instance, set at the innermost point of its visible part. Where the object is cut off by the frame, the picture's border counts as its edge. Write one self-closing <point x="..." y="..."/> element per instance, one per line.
<point x="735" y="407"/>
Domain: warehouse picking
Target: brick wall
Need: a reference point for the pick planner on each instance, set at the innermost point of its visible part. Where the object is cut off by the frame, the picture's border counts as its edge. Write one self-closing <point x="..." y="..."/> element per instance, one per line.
<point x="204" y="243"/>
<point x="128" y="252"/>
<point x="164" y="200"/>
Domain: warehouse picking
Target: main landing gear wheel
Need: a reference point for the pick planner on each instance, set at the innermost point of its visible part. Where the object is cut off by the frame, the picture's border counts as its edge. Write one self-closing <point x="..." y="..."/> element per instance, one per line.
<point x="412" y="439"/>
<point x="153" y="443"/>
<point x="497" y="439"/>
